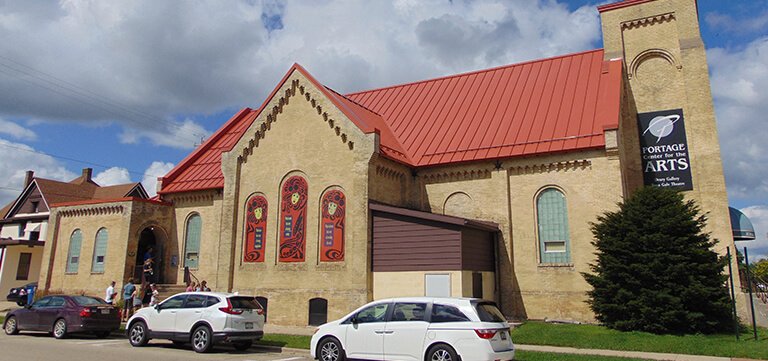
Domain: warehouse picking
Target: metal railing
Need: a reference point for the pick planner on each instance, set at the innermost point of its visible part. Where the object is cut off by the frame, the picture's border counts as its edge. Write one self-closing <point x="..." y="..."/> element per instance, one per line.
<point x="189" y="276"/>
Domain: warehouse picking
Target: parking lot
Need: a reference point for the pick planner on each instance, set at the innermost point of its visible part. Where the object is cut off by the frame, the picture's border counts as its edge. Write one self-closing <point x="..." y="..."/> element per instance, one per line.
<point x="41" y="346"/>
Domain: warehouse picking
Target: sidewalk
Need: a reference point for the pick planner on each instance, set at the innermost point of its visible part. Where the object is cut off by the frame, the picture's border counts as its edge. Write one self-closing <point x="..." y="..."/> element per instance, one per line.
<point x="6" y="306"/>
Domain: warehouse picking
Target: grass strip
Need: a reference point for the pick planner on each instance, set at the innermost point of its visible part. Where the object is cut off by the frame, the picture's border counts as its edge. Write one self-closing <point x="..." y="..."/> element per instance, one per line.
<point x="281" y="340"/>
<point x="598" y="337"/>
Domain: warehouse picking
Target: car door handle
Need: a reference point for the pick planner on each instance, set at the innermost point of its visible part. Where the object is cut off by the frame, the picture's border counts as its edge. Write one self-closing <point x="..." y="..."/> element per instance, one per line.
<point x="379" y="332"/>
<point x="389" y="332"/>
<point x="198" y="311"/>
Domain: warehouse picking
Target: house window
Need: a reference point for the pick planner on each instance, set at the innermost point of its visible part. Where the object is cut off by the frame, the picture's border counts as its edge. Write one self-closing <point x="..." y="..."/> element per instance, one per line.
<point x="25" y="260"/>
<point x="333" y="210"/>
<point x="192" y="245"/>
<point x="34" y="235"/>
<point x="99" y="251"/>
<point x="552" y="218"/>
<point x="22" y="228"/>
<point x="73" y="256"/>
<point x="35" y="206"/>
<point x="293" y="220"/>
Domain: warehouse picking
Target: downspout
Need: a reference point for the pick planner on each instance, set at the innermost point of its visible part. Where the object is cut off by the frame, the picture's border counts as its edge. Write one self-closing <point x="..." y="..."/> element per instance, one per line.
<point x="497" y="268"/>
<point x="52" y="257"/>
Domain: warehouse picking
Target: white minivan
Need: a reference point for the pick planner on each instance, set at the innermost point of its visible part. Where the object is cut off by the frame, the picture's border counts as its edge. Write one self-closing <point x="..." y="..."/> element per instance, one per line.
<point x="423" y="328"/>
<point x="200" y="318"/>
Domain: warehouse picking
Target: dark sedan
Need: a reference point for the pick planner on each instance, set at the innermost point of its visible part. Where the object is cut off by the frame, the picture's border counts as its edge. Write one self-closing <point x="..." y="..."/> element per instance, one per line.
<point x="13" y="294"/>
<point x="62" y="315"/>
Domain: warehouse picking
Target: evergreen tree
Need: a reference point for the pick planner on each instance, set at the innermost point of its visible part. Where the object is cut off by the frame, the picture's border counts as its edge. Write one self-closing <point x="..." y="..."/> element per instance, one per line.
<point x="656" y="270"/>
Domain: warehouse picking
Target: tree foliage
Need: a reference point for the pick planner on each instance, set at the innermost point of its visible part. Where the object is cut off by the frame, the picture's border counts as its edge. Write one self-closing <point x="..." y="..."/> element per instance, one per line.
<point x="656" y="270"/>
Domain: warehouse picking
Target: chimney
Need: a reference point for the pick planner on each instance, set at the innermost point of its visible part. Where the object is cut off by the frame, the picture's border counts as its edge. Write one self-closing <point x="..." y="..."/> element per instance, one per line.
<point x="87" y="173"/>
<point x="159" y="184"/>
<point x="28" y="178"/>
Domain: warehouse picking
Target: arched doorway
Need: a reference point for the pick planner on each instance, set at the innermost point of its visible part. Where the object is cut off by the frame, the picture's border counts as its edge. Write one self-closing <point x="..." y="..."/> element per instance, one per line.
<point x="153" y="244"/>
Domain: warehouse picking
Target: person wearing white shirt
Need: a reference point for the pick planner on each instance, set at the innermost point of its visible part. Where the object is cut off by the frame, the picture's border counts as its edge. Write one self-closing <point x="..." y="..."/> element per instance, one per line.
<point x="110" y="294"/>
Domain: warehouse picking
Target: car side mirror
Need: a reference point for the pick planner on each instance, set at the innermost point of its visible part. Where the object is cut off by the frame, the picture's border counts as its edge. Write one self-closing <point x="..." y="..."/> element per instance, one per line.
<point x="353" y="320"/>
<point x="157" y="307"/>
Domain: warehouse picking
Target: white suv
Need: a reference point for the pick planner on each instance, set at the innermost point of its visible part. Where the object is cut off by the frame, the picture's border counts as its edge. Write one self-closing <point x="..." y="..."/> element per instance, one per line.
<point x="433" y="329"/>
<point x="200" y="318"/>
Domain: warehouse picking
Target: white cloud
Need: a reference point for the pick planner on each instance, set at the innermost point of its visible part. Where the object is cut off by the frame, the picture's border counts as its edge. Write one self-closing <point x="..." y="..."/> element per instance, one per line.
<point x="141" y="63"/>
<point x="759" y="247"/>
<point x="16" y="131"/>
<point x="193" y="134"/>
<point x="20" y="158"/>
<point x="156" y="169"/>
<point x="727" y="23"/>
<point x="739" y="79"/>
<point x="112" y="176"/>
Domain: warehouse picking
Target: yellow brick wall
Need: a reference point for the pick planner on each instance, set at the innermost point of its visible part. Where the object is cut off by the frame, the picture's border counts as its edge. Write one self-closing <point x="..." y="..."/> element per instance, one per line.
<point x="666" y="63"/>
<point x="327" y="152"/>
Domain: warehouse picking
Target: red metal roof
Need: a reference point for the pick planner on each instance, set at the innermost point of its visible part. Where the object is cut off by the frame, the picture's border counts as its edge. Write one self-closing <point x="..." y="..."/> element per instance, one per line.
<point x="202" y="169"/>
<point x="551" y="105"/>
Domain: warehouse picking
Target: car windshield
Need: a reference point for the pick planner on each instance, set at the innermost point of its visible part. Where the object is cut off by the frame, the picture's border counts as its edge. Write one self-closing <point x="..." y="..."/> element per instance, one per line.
<point x="246" y="303"/>
<point x="488" y="312"/>
<point x="87" y="301"/>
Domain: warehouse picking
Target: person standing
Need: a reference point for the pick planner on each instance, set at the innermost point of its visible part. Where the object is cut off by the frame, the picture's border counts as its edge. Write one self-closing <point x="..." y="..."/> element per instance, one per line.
<point x="110" y="294"/>
<point x="191" y="286"/>
<point x="155" y="296"/>
<point x="128" y="290"/>
<point x="203" y="287"/>
<point x="136" y="299"/>
<point x="149" y="273"/>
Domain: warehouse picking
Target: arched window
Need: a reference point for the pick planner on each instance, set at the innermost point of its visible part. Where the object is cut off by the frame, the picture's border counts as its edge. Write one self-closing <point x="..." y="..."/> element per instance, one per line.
<point x="318" y="311"/>
<point x="73" y="256"/>
<point x="99" y="251"/>
<point x="255" y="229"/>
<point x="333" y="207"/>
<point x="552" y="217"/>
<point x="293" y="220"/>
<point x="192" y="244"/>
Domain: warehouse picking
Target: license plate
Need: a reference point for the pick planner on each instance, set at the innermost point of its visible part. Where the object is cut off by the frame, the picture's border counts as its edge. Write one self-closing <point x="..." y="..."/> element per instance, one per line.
<point x="249" y="325"/>
<point x="105" y="311"/>
<point x="503" y="335"/>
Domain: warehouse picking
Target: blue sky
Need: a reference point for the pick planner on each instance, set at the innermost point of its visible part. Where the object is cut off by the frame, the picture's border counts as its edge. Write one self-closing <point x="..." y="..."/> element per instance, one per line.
<point x="129" y="88"/>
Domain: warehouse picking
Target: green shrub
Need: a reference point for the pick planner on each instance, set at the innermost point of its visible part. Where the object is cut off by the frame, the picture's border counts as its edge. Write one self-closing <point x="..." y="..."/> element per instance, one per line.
<point x="656" y="270"/>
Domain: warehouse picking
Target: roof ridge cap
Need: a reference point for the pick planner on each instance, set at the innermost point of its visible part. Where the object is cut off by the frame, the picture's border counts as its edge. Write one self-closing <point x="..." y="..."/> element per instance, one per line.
<point x="475" y="72"/>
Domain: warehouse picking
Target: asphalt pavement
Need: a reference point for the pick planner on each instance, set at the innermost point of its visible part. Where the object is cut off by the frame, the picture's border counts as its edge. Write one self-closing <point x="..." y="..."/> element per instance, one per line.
<point x="40" y="346"/>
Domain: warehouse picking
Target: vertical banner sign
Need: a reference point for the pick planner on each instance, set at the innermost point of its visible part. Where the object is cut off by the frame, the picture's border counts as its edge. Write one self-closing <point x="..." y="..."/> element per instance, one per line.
<point x="255" y="229"/>
<point x="333" y="211"/>
<point x="664" y="149"/>
<point x="293" y="219"/>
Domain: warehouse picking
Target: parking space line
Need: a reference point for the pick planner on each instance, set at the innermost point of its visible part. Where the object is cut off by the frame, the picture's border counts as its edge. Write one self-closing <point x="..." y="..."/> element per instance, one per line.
<point x="104" y="342"/>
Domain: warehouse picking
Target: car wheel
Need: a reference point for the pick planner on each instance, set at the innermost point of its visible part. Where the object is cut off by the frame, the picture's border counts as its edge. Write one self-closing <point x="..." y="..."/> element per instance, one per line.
<point x="60" y="329"/>
<point x="202" y="340"/>
<point x="442" y="353"/>
<point x="330" y="349"/>
<point x="138" y="335"/>
<point x="243" y="345"/>
<point x="11" y="326"/>
<point x="102" y="334"/>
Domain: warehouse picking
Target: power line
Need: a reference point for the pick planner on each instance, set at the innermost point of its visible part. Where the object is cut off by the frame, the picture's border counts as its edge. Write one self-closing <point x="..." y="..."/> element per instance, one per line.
<point x="83" y="95"/>
<point x="74" y="160"/>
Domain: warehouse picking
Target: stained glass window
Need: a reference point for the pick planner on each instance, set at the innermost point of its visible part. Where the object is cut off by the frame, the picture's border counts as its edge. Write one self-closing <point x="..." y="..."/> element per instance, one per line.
<point x="192" y="245"/>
